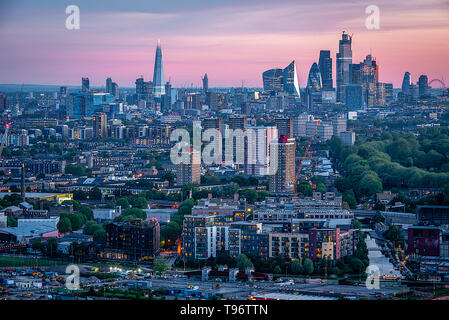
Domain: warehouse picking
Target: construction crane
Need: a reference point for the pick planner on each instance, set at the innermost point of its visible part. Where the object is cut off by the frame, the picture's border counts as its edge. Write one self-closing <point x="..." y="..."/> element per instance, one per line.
<point x="298" y="172"/>
<point x="4" y="139"/>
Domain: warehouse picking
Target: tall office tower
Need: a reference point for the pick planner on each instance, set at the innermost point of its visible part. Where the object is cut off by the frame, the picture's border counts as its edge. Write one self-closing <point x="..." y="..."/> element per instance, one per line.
<point x="290" y="80"/>
<point x="299" y="125"/>
<point x="406" y="82"/>
<point x="366" y="74"/>
<point x="354" y="96"/>
<point x="384" y="93"/>
<point x="282" y="162"/>
<point x="192" y="101"/>
<point x="2" y="102"/>
<point x="423" y="86"/>
<point x="314" y="85"/>
<point x="205" y="85"/>
<point x="85" y="84"/>
<point x="144" y="89"/>
<point x="190" y="171"/>
<point x="166" y="100"/>
<point x="257" y="149"/>
<point x="211" y="100"/>
<point x="62" y="92"/>
<point x="273" y="80"/>
<point x="237" y="122"/>
<point x="284" y="126"/>
<point x="344" y="60"/>
<point x="213" y="123"/>
<point x="109" y="85"/>
<point x="158" y="75"/>
<point x="325" y="65"/>
<point x="370" y="77"/>
<point x="114" y="90"/>
<point x="100" y="125"/>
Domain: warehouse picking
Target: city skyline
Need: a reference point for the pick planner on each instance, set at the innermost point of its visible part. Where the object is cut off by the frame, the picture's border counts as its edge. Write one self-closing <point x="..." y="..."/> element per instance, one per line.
<point x="224" y="41"/>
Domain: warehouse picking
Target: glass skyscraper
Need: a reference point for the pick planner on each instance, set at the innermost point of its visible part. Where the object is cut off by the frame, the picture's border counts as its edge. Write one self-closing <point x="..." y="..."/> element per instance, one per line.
<point x="158" y="75"/>
<point x="272" y="80"/>
<point x="325" y="65"/>
<point x="406" y="82"/>
<point x="344" y="60"/>
<point x="290" y="80"/>
<point x="314" y="86"/>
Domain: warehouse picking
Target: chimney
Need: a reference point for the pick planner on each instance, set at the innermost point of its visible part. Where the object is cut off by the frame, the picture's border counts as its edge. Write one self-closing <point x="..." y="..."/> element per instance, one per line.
<point x="22" y="187"/>
<point x="209" y="195"/>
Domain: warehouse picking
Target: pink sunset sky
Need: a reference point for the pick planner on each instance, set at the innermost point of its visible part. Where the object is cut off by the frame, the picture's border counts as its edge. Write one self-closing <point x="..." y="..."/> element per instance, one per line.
<point x="233" y="41"/>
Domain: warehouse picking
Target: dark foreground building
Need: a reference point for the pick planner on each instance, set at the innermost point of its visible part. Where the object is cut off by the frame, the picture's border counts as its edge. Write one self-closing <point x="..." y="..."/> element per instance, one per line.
<point x="132" y="240"/>
<point x="433" y="215"/>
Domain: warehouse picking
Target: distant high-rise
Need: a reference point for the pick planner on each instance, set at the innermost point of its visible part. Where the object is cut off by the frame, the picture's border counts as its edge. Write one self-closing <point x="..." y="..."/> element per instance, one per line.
<point x="62" y="92"/>
<point x="100" y="129"/>
<point x="190" y="171"/>
<point x="344" y="60"/>
<point x="2" y="102"/>
<point x="282" y="181"/>
<point x="85" y="84"/>
<point x="272" y="80"/>
<point x="158" y="75"/>
<point x="109" y="85"/>
<point x="325" y="65"/>
<point x="211" y="100"/>
<point x="213" y="123"/>
<point x="114" y="90"/>
<point x="284" y="126"/>
<point x="423" y="86"/>
<point x="205" y="85"/>
<point x="290" y="80"/>
<point x="366" y="74"/>
<point x="314" y="85"/>
<point x="406" y="82"/>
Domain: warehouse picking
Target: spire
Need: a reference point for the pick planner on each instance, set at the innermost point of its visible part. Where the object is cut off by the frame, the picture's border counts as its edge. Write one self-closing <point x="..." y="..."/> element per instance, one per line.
<point x="158" y="43"/>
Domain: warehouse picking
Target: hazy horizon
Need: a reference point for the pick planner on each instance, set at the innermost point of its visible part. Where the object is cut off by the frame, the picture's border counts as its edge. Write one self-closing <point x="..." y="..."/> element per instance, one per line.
<point x="231" y="42"/>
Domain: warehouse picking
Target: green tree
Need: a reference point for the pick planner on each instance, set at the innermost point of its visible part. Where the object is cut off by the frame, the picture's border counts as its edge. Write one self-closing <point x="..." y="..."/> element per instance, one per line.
<point x="320" y="187"/>
<point x="305" y="189"/>
<point x="123" y="202"/>
<point x="99" y="235"/>
<point x="296" y="267"/>
<point x="277" y="270"/>
<point x="349" y="198"/>
<point x="11" y="222"/>
<point x="308" y="266"/>
<point x="243" y="262"/>
<point x="51" y="247"/>
<point x="87" y="212"/>
<point x="64" y="225"/>
<point x="160" y="265"/>
<point x="139" y="202"/>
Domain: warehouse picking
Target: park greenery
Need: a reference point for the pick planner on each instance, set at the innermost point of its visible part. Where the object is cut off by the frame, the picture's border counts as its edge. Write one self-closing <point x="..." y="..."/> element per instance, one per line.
<point x="392" y="160"/>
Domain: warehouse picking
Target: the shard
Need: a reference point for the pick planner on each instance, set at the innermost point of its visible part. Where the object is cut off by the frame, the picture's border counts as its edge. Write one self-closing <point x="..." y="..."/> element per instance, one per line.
<point x="158" y="75"/>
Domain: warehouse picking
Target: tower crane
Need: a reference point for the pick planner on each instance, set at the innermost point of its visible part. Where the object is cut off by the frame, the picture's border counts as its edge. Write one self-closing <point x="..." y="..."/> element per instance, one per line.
<point x="4" y="139"/>
<point x="298" y="172"/>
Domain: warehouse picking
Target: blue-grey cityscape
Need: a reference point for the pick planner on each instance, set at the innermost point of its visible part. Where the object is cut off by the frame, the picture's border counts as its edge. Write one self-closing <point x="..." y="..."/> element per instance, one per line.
<point x="329" y="187"/>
